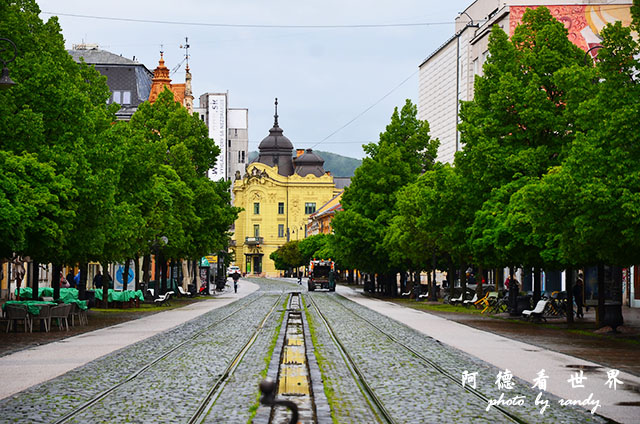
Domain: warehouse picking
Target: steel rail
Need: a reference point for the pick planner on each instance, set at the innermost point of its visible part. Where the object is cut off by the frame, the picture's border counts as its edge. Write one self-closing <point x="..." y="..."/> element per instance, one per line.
<point x="376" y="404"/>
<point x="135" y="374"/>
<point x="215" y="391"/>
<point x="513" y="417"/>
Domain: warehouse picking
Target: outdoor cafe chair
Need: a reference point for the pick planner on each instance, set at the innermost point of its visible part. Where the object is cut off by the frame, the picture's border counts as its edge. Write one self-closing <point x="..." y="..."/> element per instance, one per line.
<point x="44" y="316"/>
<point x="17" y="313"/>
<point x="77" y="312"/>
<point x="61" y="314"/>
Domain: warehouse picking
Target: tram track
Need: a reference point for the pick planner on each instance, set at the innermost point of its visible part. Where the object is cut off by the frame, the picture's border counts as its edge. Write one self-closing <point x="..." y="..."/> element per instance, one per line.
<point x="366" y="387"/>
<point x="217" y="387"/>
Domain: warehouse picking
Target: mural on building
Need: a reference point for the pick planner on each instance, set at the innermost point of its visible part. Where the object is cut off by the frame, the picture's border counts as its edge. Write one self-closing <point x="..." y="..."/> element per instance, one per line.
<point x="583" y="22"/>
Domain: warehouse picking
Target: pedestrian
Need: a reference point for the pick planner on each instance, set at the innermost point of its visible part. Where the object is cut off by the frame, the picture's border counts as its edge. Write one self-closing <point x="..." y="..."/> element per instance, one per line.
<point x="76" y="281"/>
<point x="97" y="280"/>
<point x="70" y="277"/>
<point x="63" y="281"/>
<point x="236" y="277"/>
<point x="578" y="295"/>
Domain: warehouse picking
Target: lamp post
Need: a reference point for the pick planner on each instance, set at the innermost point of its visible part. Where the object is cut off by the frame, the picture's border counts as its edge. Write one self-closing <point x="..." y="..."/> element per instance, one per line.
<point x="586" y="54"/>
<point x="5" y="80"/>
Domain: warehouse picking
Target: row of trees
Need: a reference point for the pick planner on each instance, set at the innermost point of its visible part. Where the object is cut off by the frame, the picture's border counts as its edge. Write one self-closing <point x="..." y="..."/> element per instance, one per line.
<point x="294" y="254"/>
<point x="77" y="186"/>
<point x="549" y="175"/>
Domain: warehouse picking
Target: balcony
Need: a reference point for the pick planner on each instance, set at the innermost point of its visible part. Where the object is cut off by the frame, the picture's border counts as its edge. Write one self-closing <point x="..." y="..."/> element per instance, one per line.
<point x="253" y="241"/>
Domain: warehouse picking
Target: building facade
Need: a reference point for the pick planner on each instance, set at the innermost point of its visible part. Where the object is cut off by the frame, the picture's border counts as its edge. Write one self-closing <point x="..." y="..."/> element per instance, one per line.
<point x="129" y="81"/>
<point x="229" y="129"/>
<point x="320" y="221"/>
<point x="278" y="193"/>
<point x="447" y="75"/>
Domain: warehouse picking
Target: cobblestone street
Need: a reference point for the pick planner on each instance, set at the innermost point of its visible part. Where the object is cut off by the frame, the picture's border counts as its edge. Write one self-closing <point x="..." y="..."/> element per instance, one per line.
<point x="210" y="367"/>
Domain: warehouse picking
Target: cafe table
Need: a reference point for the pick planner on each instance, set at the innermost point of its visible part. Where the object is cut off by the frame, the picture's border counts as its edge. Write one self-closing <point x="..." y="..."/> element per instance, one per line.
<point x="33" y="306"/>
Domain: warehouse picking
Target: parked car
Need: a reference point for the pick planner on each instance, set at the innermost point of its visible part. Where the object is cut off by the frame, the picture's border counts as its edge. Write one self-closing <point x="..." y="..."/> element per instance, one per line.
<point x="232" y="270"/>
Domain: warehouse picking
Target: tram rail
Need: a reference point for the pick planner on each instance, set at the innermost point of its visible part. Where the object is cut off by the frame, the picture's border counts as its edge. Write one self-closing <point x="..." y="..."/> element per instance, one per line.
<point x="376" y="403"/>
<point x="215" y="389"/>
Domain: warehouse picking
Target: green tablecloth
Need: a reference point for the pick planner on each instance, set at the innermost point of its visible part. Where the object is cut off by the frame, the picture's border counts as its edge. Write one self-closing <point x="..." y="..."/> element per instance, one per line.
<point x="66" y="294"/>
<point x="33" y="306"/>
<point x="121" y="296"/>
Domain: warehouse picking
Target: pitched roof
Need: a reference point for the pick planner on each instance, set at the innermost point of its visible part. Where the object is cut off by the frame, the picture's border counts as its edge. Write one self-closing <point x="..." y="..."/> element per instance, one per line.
<point x="100" y="57"/>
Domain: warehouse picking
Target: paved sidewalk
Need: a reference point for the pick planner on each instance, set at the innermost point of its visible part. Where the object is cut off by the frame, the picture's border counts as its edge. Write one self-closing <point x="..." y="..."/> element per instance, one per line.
<point x="29" y="367"/>
<point x="523" y="360"/>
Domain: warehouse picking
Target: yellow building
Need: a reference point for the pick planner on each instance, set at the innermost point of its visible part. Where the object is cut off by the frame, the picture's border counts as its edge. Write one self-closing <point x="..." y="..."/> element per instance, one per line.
<point x="278" y="194"/>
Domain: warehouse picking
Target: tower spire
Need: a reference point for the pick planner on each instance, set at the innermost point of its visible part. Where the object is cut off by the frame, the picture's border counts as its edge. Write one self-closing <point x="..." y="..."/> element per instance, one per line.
<point x="275" y="117"/>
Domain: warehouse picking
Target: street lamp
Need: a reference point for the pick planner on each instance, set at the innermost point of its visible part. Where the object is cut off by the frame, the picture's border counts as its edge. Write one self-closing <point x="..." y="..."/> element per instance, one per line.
<point x="586" y="54"/>
<point x="5" y="80"/>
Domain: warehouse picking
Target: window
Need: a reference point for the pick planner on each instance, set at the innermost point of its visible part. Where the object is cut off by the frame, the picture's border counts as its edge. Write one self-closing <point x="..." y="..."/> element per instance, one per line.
<point x="239" y="157"/>
<point x="309" y="207"/>
<point x="281" y="208"/>
<point x="256" y="208"/>
<point x="256" y="230"/>
<point x="117" y="98"/>
<point x="229" y="143"/>
<point x="280" y="230"/>
<point x="126" y="97"/>
<point x="242" y="161"/>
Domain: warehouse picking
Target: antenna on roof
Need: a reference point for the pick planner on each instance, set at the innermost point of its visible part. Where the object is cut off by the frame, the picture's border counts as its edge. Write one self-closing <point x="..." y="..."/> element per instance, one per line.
<point x="184" y="46"/>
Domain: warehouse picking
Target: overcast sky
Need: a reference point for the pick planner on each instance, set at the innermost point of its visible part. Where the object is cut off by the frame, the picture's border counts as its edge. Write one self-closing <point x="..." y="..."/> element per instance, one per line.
<point x="323" y="77"/>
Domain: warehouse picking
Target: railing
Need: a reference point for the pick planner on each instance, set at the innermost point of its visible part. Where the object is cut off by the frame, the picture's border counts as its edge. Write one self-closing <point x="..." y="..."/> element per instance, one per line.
<point x="252" y="241"/>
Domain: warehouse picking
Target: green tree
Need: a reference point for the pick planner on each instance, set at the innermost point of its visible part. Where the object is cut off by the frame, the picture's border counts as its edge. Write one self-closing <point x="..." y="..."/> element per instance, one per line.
<point x="516" y="128"/>
<point x="54" y="117"/>
<point x="166" y="179"/>
<point x="288" y="256"/>
<point x="405" y="149"/>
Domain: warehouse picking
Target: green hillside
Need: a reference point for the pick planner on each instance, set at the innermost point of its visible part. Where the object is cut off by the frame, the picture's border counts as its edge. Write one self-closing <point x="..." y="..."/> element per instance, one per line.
<point x="339" y="166"/>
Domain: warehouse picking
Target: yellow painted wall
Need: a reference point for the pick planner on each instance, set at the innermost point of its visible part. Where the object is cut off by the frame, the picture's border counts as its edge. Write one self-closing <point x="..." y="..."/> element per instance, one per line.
<point x="262" y="184"/>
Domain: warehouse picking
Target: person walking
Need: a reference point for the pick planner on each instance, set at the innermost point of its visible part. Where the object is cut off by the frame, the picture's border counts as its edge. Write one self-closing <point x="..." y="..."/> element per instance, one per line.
<point x="236" y="277"/>
<point x="578" y="295"/>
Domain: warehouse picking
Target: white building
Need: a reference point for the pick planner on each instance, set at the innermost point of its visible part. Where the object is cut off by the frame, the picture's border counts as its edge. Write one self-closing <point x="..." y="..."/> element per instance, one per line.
<point x="447" y="75"/>
<point x="229" y="129"/>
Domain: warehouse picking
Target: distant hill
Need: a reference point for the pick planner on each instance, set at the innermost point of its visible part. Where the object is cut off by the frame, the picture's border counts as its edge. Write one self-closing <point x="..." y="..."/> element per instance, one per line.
<point x="339" y="166"/>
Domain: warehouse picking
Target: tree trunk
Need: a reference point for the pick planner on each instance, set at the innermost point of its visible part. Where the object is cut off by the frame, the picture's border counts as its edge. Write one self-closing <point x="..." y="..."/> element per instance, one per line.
<point x="136" y="263"/>
<point x="433" y="296"/>
<point x="569" y="286"/>
<point x="55" y="280"/>
<point x="451" y="276"/>
<point x="156" y="274"/>
<point x="82" y="284"/>
<point x="163" y="265"/>
<point x="536" y="285"/>
<point x="35" y="274"/>
<point x="463" y="279"/>
<point x="480" y="282"/>
<point x="186" y="276"/>
<point x="125" y="275"/>
<point x="106" y="279"/>
<point x="146" y="270"/>
<point x="601" y="295"/>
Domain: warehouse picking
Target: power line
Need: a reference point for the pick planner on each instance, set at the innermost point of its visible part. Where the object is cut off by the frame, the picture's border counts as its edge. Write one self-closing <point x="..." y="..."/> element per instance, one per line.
<point x="366" y="110"/>
<point x="220" y="25"/>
